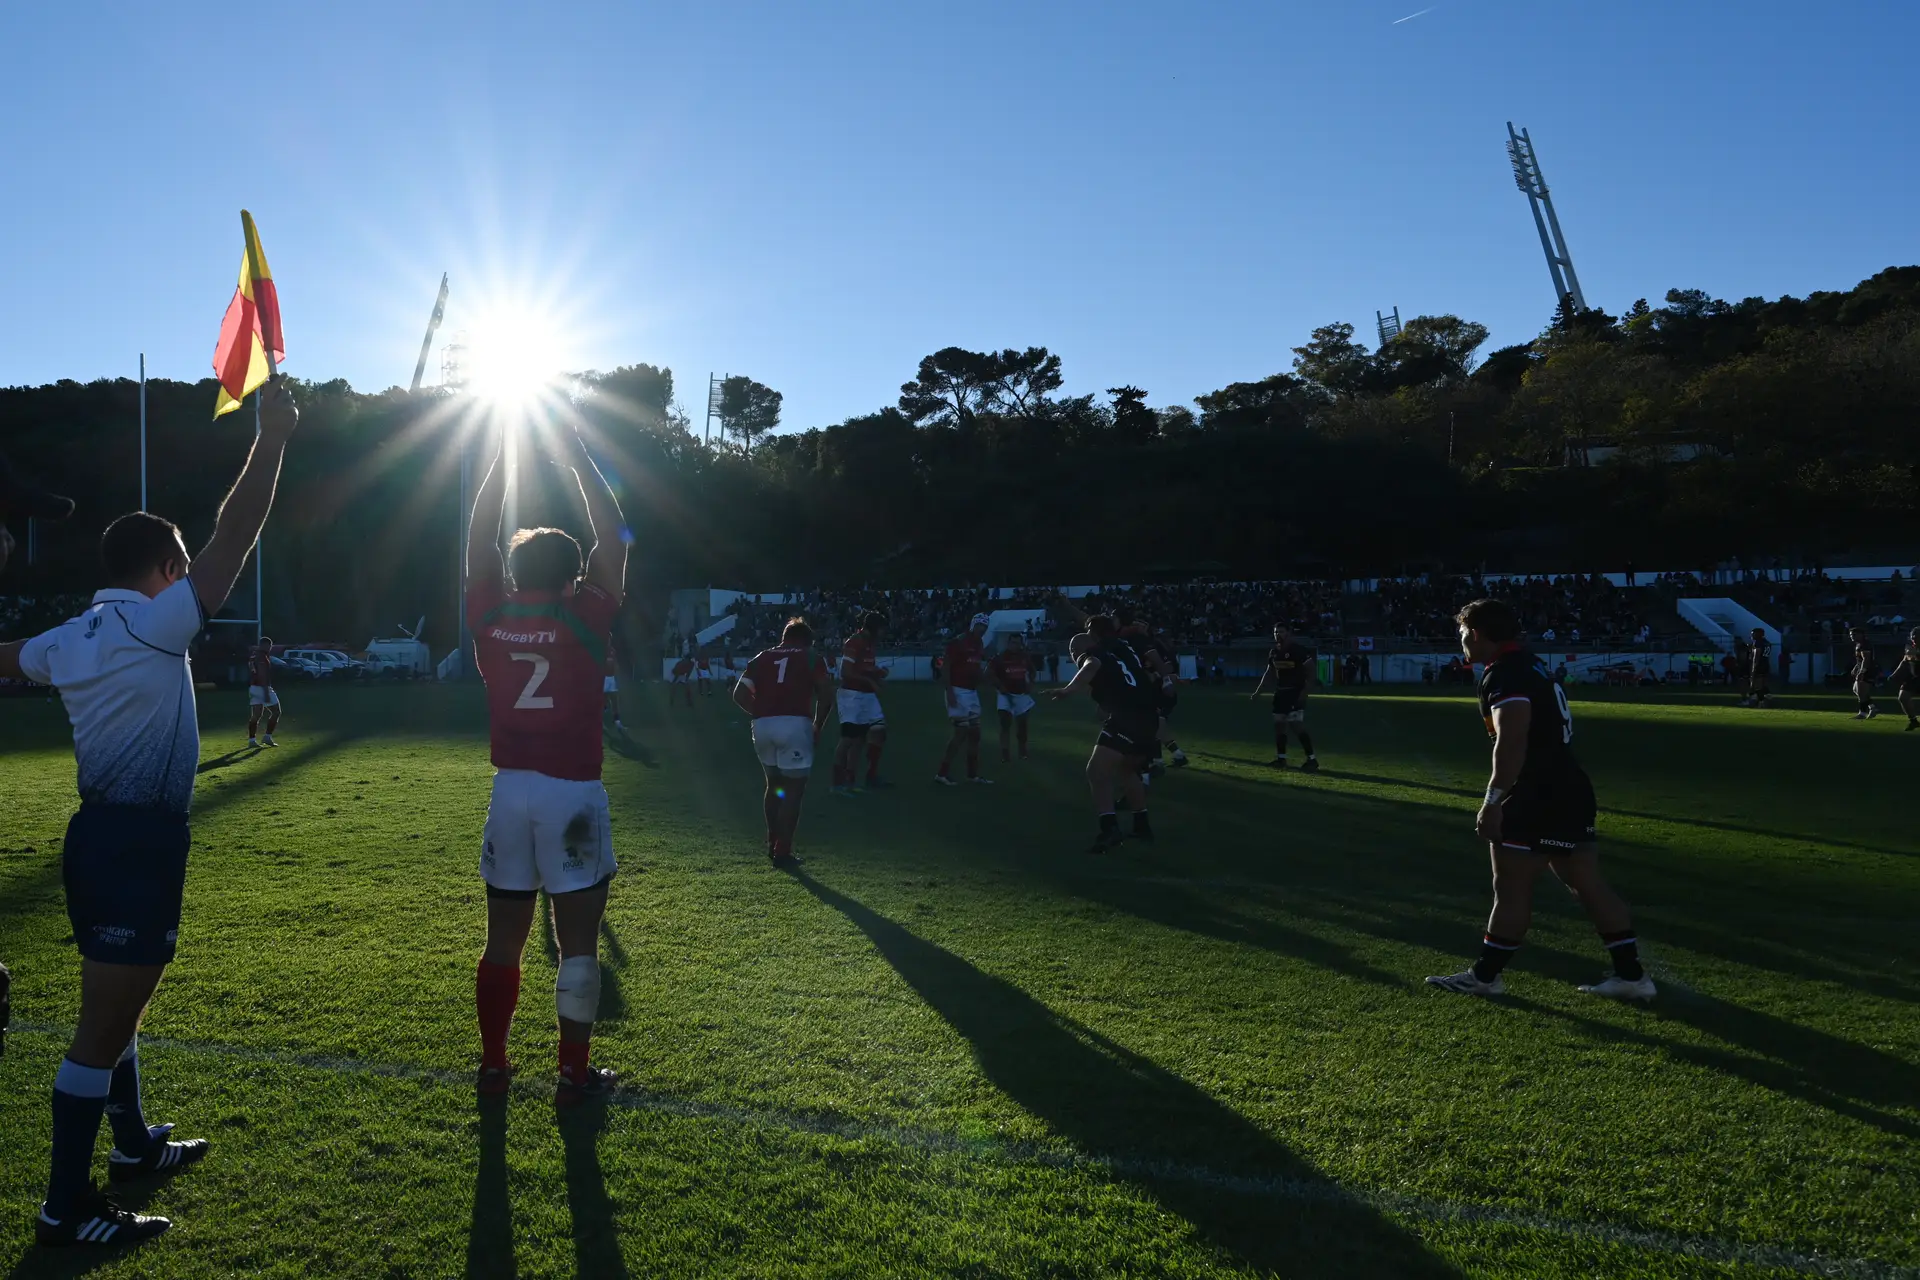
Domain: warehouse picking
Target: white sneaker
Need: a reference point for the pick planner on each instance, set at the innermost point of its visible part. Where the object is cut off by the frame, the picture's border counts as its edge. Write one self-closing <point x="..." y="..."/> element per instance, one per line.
<point x="1467" y="983"/>
<point x="981" y="782"/>
<point x="941" y="779"/>
<point x="1615" y="987"/>
<point x="254" y="743"/>
<point x="1873" y="713"/>
<point x="268" y="741"/>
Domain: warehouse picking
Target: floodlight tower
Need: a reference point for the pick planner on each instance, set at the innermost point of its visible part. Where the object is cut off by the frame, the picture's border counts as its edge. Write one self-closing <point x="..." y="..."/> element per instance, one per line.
<point x="1526" y="175"/>
<point x="1388" y="325"/>
<point x="433" y="327"/>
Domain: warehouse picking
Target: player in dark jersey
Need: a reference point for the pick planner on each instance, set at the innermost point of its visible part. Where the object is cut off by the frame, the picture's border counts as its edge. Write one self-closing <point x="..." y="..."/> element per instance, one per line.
<point x="1759" y="669"/>
<point x="1865" y="673"/>
<point x="1160" y="658"/>
<point x="1539" y="810"/>
<point x="1127" y="694"/>
<point x="1290" y="665"/>
<point x="1906" y="678"/>
<point x="788" y="694"/>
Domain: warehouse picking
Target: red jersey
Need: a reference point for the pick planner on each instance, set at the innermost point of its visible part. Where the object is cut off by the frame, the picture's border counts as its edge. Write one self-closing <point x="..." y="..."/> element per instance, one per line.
<point x="1012" y="671"/>
<point x="260" y="670"/>
<point x="684" y="667"/>
<point x="857" y="664"/>
<point x="963" y="661"/>
<point x="542" y="654"/>
<point x="783" y="680"/>
<point x="701" y="665"/>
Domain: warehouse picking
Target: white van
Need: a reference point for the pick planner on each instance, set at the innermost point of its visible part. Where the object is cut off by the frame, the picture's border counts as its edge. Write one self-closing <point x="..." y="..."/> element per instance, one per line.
<point x="403" y="656"/>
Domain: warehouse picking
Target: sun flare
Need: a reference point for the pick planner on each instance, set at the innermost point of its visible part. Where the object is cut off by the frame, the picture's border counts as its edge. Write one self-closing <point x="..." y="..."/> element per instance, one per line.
<point x="514" y="356"/>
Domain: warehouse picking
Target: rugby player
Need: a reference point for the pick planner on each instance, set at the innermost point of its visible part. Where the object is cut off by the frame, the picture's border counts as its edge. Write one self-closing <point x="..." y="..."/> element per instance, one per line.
<point x="682" y="678"/>
<point x="1759" y="669"/>
<point x="121" y="668"/>
<point x="703" y="672"/>
<point x="1161" y="660"/>
<point x="261" y="695"/>
<point x="610" y="691"/>
<point x="788" y="693"/>
<point x="1012" y="674"/>
<point x="1125" y="692"/>
<point x="1539" y="812"/>
<point x="1866" y="672"/>
<point x="961" y="672"/>
<point x="861" y="719"/>
<point x="1906" y="678"/>
<point x="1290" y="665"/>
<point x="541" y="629"/>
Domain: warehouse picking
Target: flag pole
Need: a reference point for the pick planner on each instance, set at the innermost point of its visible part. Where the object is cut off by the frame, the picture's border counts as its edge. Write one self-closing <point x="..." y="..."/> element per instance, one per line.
<point x="143" y="431"/>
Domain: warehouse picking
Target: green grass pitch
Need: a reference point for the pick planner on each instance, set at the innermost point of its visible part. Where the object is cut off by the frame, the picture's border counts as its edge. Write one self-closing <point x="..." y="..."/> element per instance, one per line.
<point x="955" y="1045"/>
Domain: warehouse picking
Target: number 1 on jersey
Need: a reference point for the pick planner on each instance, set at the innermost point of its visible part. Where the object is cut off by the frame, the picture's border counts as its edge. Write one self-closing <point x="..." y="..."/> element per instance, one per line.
<point x="780" y="670"/>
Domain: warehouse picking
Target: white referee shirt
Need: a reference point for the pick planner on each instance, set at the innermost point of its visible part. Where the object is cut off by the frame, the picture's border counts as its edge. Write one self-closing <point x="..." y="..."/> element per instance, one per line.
<point x="121" y="669"/>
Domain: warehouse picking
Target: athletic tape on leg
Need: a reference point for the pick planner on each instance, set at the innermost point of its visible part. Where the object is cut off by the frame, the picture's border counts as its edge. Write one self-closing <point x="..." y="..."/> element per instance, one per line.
<point x="576" y="991"/>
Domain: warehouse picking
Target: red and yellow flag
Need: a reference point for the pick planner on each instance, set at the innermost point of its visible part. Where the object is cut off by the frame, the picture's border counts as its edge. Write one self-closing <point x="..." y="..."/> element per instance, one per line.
<point x="251" y="329"/>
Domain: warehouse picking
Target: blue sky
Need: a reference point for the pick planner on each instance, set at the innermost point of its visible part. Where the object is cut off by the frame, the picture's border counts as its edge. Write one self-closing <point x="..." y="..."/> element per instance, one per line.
<point x="1169" y="195"/>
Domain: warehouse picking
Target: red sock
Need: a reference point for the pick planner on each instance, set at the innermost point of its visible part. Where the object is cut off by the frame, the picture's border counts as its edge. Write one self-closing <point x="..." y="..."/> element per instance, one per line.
<point x="873" y="762"/>
<point x="973" y="764"/>
<point x="573" y="1060"/>
<point x="496" y="992"/>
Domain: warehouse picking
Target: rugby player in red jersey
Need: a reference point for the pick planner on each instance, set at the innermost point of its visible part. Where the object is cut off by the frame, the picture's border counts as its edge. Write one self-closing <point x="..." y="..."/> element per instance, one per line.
<point x="787" y="691"/>
<point x="961" y="669"/>
<point x="261" y="695"/>
<point x="861" y="719"/>
<point x="682" y="680"/>
<point x="1012" y="673"/>
<point x="541" y="629"/>
<point x="703" y="672"/>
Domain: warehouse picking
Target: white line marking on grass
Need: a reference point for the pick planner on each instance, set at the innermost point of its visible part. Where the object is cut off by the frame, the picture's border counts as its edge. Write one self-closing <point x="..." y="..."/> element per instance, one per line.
<point x="933" y="1141"/>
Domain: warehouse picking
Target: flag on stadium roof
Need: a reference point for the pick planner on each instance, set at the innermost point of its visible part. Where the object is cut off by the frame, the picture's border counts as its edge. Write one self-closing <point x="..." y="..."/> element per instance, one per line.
<point x="251" y="346"/>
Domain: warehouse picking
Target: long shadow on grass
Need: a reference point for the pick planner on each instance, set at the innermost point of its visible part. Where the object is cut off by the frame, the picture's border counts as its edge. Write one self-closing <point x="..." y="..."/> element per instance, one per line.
<point x="596" y="1241"/>
<point x="285" y="761"/>
<point x="490" y="1238"/>
<point x="1112" y="1103"/>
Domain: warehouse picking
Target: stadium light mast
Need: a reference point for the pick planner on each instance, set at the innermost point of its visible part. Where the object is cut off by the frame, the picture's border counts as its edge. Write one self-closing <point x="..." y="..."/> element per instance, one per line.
<point x="1527" y="176"/>
<point x="714" y="401"/>
<point x="433" y="327"/>
<point x="1387" y="324"/>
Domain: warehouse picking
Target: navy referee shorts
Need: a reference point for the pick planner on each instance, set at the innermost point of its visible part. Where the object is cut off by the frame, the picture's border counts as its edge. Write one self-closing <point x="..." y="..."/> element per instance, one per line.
<point x="125" y="871"/>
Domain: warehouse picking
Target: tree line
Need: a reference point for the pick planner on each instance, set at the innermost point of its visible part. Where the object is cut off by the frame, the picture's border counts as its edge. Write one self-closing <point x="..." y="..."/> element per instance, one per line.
<point x="1674" y="436"/>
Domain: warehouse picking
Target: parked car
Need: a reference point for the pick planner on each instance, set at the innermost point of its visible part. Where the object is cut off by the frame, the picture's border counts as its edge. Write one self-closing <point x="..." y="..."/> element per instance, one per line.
<point x="297" y="668"/>
<point x="336" y="665"/>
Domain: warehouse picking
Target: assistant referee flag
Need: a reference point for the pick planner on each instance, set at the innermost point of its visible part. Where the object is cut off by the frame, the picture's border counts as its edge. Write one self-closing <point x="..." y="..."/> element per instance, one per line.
<point x="251" y="346"/>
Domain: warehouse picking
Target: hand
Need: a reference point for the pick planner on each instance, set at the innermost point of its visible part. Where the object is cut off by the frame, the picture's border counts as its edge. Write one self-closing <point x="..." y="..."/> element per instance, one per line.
<point x="278" y="413"/>
<point x="1487" y="823"/>
<point x="1057" y="694"/>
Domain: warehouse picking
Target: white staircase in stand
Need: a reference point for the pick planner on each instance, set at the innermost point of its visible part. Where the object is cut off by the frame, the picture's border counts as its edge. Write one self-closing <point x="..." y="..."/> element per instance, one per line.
<point x="1722" y="620"/>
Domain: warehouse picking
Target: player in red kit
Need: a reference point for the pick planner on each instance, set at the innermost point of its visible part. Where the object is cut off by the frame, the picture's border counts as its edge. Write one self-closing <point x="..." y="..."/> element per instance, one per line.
<point x="261" y="695"/>
<point x="541" y="631"/>
<point x="961" y="668"/>
<point x="1012" y="673"/>
<point x="788" y="693"/>
<point x="703" y="672"/>
<point x="682" y="678"/>
<point x="861" y="719"/>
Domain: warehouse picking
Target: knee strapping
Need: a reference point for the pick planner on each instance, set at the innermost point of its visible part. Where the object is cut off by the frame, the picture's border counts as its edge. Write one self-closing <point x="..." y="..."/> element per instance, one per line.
<point x="576" y="991"/>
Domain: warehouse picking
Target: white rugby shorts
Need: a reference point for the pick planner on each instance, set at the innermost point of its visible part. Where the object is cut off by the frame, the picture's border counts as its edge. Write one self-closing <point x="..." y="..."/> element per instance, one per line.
<point x="785" y="744"/>
<point x="610" y="685"/>
<point x="964" y="704"/>
<point x="860" y="707"/>
<point x="546" y="833"/>
<point x="1015" y="704"/>
<point x="258" y="697"/>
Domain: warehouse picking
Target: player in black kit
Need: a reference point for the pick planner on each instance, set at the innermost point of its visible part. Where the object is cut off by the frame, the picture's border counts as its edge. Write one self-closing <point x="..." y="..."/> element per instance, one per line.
<point x="1539" y="810"/>
<point x="1160" y="659"/>
<point x="1865" y="673"/>
<point x="1127" y="694"/>
<point x="1290" y="665"/>
<point x="1906" y="678"/>
<point x="1759" y="670"/>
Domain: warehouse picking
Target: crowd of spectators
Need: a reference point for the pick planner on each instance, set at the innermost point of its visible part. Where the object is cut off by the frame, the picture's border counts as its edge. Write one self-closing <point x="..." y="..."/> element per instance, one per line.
<point x="1567" y="610"/>
<point x="30" y="615"/>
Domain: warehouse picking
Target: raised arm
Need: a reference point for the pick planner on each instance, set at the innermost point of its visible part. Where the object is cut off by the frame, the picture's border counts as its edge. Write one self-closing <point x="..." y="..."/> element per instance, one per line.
<point x="1081" y="679"/>
<point x="245" y="508"/>
<point x="607" y="562"/>
<point x="483" y="529"/>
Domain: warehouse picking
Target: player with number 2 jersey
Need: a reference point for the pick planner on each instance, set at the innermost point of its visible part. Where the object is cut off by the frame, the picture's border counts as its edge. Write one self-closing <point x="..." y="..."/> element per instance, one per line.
<point x="542" y="625"/>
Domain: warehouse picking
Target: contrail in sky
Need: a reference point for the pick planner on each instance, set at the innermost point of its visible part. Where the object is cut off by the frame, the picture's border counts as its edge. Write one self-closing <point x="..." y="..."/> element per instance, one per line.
<point x="1410" y="17"/>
